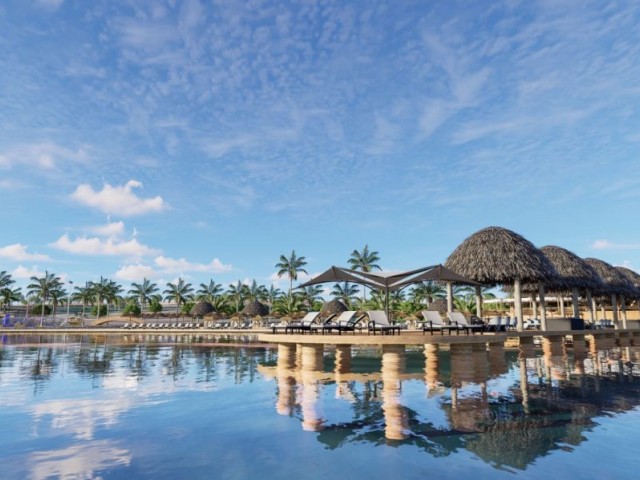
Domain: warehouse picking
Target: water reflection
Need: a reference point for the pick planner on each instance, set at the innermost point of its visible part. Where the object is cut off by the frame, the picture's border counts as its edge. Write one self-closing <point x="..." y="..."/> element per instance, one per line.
<point x="80" y="406"/>
<point x="506" y="407"/>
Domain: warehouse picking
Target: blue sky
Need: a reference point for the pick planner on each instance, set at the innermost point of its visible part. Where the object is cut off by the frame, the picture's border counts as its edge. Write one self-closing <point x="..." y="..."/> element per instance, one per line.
<point x="203" y="139"/>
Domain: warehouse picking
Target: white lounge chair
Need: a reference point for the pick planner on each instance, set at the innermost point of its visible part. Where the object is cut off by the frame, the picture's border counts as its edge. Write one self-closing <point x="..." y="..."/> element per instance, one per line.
<point x="459" y="319"/>
<point x="378" y="321"/>
<point x="433" y="322"/>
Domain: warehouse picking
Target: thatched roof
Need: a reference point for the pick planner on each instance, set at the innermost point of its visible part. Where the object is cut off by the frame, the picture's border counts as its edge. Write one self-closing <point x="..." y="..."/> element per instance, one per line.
<point x="497" y="256"/>
<point x="255" y="308"/>
<point x="202" y="308"/>
<point x="573" y="271"/>
<point x="615" y="282"/>
<point x="331" y="307"/>
<point x="632" y="276"/>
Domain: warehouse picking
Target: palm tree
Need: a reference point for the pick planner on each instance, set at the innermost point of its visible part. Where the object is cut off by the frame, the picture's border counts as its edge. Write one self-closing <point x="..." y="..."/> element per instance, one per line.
<point x="272" y="296"/>
<point x="428" y="291"/>
<point x="365" y="261"/>
<point x="8" y="296"/>
<point x="84" y="295"/>
<point x="311" y="295"/>
<point x="256" y="292"/>
<point x="143" y="291"/>
<point x="100" y="291"/>
<point x="346" y="292"/>
<point x="180" y="293"/>
<point x="42" y="288"/>
<point x="209" y="292"/>
<point x="5" y="279"/>
<point x="235" y="293"/>
<point x="291" y="267"/>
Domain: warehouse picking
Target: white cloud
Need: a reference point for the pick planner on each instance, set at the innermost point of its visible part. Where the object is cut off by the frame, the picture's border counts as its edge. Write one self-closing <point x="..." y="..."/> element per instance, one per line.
<point x="18" y="252"/>
<point x="135" y="272"/>
<point x="165" y="265"/>
<point x="24" y="272"/>
<point x="170" y="265"/>
<point x="97" y="246"/>
<point x="45" y="155"/>
<point x="118" y="200"/>
<point x="112" y="229"/>
<point x="608" y="245"/>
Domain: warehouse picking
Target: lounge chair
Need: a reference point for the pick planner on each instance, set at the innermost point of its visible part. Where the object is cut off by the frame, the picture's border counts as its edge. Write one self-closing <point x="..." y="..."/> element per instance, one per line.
<point x="303" y="325"/>
<point x="495" y="324"/>
<point x="459" y="319"/>
<point x="345" y="322"/>
<point x="433" y="322"/>
<point x="378" y="321"/>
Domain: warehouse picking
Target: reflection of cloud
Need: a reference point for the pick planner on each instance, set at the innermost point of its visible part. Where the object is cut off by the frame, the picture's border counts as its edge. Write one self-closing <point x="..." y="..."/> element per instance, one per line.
<point x="81" y="417"/>
<point x="78" y="461"/>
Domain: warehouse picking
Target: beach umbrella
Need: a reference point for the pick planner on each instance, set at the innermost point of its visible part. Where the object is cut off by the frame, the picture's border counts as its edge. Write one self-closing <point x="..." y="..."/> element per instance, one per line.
<point x="254" y="308"/>
<point x="334" y="306"/>
<point x="497" y="256"/>
<point x="615" y="283"/>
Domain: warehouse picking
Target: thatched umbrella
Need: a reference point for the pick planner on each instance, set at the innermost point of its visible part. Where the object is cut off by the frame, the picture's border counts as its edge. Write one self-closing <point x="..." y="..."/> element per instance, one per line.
<point x="497" y="256"/>
<point x="615" y="283"/>
<point x="202" y="308"/>
<point x="254" y="308"/>
<point x="332" y="307"/>
<point x="573" y="274"/>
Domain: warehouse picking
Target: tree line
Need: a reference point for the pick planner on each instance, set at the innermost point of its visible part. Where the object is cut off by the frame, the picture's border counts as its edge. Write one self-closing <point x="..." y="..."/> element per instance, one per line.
<point x="46" y="293"/>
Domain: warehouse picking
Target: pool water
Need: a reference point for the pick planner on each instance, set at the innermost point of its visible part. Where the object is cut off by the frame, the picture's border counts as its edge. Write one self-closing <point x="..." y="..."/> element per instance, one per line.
<point x="227" y="407"/>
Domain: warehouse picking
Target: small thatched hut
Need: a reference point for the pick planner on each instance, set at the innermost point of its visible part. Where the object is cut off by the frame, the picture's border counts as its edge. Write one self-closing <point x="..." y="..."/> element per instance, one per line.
<point x="615" y="283"/>
<point x="573" y="274"/>
<point x="202" y="308"/>
<point x="497" y="256"/>
<point x="332" y="307"/>
<point x="254" y="308"/>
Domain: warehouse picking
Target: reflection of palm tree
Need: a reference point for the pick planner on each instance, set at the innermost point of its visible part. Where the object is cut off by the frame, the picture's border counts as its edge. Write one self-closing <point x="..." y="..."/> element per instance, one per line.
<point x="43" y="287"/>
<point x="180" y="293"/>
<point x="346" y="292"/>
<point x="143" y="291"/>
<point x="364" y="261"/>
<point x="291" y="267"/>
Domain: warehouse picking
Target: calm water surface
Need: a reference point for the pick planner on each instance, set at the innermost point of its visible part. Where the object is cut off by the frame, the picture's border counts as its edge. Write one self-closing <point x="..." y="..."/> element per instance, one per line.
<point x="224" y="407"/>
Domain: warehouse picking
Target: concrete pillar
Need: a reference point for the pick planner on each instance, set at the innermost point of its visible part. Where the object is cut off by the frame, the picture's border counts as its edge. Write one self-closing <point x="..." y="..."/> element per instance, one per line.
<point x="576" y="304"/>
<point x="614" y="308"/>
<point x="517" y="296"/>
<point x="543" y="308"/>
<point x="590" y="307"/>
<point x="623" y="311"/>
<point x="560" y="298"/>
<point x="478" y="301"/>
<point x="449" y="297"/>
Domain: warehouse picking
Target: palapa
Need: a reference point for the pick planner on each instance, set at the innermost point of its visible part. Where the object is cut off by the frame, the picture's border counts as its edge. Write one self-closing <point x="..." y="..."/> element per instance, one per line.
<point x="202" y="308"/>
<point x="254" y="308"/>
<point x="498" y="256"/>
<point x="334" y="306"/>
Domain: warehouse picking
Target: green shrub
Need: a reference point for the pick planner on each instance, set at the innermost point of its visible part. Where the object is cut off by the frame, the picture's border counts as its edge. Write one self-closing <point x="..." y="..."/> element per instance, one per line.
<point x="131" y="309"/>
<point x="103" y="310"/>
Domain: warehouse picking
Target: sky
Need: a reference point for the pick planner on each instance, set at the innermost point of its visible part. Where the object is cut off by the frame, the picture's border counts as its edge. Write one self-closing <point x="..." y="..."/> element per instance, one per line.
<point x="203" y="139"/>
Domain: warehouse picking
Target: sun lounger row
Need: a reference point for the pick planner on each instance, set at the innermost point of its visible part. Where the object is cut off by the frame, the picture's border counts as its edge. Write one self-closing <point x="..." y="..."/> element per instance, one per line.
<point x="458" y="322"/>
<point x="156" y="326"/>
<point x="347" y="321"/>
